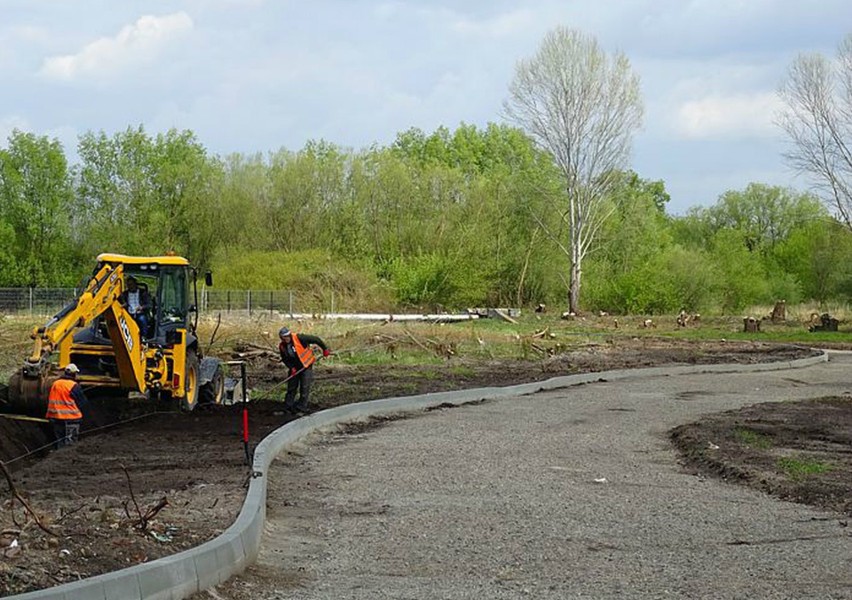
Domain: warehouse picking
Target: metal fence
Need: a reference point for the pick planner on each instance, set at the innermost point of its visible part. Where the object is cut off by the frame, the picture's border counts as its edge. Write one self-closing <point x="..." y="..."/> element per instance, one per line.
<point x="35" y="301"/>
<point x="257" y="302"/>
<point x="48" y="301"/>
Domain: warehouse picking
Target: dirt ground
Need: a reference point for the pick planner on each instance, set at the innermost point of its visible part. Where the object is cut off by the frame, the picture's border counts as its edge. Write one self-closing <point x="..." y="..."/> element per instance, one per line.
<point x="798" y="451"/>
<point x="167" y="481"/>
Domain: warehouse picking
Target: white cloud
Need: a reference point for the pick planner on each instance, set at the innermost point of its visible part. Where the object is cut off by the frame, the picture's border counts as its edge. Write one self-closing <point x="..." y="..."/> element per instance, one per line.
<point x="728" y="117"/>
<point x="498" y="26"/>
<point x="134" y="44"/>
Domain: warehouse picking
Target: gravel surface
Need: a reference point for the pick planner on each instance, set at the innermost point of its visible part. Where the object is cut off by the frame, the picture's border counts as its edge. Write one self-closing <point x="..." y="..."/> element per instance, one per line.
<point x="575" y="493"/>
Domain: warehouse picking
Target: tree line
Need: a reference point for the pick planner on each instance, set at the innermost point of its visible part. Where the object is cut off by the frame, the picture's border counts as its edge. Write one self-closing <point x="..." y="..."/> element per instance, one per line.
<point x="449" y="218"/>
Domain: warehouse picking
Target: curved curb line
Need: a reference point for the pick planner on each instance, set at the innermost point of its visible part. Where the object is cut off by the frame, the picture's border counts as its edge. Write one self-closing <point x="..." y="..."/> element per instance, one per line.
<point x="188" y="572"/>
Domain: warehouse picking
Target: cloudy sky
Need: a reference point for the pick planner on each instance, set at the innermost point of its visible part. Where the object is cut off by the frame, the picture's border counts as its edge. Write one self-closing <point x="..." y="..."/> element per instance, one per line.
<point x="260" y="75"/>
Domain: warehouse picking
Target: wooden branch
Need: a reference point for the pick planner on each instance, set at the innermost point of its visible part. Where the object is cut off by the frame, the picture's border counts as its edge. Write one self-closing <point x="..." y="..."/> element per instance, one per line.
<point x="23" y="502"/>
<point x="143" y="520"/>
<point x="416" y="341"/>
<point x="71" y="512"/>
<point x="152" y="512"/>
<point x="132" y="496"/>
<point x="213" y="335"/>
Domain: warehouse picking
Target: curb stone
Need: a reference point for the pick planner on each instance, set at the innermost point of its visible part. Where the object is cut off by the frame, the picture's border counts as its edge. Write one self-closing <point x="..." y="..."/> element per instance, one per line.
<point x="191" y="571"/>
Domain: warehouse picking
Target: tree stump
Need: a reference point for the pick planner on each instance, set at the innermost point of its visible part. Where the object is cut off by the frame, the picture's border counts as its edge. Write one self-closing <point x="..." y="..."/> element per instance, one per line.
<point x="751" y="325"/>
<point x="779" y="313"/>
<point x="826" y="323"/>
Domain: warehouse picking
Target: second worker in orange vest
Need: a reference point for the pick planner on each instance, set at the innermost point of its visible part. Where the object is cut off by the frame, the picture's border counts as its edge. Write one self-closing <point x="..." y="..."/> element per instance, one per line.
<point x="64" y="402"/>
<point x="297" y="355"/>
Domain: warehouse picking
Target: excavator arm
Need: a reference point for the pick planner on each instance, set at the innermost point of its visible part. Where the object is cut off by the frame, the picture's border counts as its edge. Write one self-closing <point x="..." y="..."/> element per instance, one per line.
<point x="103" y="290"/>
<point x="28" y="387"/>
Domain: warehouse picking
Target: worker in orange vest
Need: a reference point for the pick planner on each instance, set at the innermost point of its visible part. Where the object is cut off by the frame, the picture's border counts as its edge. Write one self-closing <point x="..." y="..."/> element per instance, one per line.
<point x="63" y="406"/>
<point x="297" y="355"/>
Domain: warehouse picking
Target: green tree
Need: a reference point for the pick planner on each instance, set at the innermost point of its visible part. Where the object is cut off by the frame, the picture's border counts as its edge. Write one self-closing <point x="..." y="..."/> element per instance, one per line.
<point x="115" y="192"/>
<point x="819" y="256"/>
<point x="148" y="195"/>
<point x="625" y="272"/>
<point x="765" y="215"/>
<point x="506" y="179"/>
<point x="36" y="203"/>
<point x="744" y="277"/>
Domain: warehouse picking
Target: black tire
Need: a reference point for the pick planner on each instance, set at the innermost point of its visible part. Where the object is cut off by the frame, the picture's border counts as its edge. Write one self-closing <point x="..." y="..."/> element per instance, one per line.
<point x="190" y="382"/>
<point x="213" y="392"/>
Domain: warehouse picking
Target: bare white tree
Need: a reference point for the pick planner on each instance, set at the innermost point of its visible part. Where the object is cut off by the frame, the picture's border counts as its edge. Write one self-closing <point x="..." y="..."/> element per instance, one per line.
<point x="817" y="117"/>
<point x="582" y="107"/>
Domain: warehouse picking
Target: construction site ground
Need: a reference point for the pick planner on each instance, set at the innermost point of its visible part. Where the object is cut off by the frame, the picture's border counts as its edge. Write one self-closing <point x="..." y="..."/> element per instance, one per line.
<point x="163" y="482"/>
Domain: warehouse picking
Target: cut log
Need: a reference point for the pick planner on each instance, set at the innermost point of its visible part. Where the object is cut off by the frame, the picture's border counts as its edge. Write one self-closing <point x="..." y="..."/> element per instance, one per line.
<point x="501" y="314"/>
<point x="779" y="312"/>
<point x="751" y="325"/>
<point x="826" y="323"/>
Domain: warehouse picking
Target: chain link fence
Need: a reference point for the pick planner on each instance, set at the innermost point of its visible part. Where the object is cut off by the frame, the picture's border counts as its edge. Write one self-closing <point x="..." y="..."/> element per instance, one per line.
<point x="49" y="301"/>
<point x="258" y="302"/>
<point x="35" y="301"/>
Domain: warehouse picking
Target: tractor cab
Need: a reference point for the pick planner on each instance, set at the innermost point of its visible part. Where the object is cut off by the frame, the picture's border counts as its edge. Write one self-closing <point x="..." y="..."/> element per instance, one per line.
<point x="161" y="300"/>
<point x="158" y="289"/>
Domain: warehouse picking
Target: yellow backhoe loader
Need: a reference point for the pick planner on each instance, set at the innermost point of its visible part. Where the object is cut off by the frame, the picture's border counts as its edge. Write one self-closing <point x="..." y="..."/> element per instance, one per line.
<point x="156" y="354"/>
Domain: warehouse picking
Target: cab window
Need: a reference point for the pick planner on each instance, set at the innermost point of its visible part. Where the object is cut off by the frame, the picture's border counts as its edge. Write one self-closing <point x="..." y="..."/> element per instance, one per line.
<point x="173" y="294"/>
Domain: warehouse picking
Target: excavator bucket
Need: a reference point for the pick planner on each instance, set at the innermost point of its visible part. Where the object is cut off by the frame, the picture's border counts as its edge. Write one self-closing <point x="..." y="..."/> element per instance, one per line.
<point x="27" y="395"/>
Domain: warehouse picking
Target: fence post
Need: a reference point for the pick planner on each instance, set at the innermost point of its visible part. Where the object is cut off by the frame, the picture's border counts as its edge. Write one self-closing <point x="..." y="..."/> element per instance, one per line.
<point x="291" y="303"/>
<point x="270" y="302"/>
<point x="332" y="301"/>
<point x="229" y="302"/>
<point x="248" y="299"/>
<point x="31" y="300"/>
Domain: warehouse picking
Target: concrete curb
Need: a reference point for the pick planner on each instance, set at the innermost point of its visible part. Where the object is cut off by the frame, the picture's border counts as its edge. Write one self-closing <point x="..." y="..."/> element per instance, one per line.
<point x="188" y="572"/>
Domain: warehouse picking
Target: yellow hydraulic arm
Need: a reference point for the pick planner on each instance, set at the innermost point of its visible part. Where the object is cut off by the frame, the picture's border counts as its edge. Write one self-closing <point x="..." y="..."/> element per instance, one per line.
<point x="101" y="297"/>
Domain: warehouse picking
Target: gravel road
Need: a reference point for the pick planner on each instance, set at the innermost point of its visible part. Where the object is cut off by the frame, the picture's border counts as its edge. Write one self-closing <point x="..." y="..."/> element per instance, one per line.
<point x="574" y="493"/>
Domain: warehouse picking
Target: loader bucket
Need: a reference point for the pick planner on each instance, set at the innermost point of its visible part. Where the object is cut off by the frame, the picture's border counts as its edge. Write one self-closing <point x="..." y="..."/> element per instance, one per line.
<point x="28" y="395"/>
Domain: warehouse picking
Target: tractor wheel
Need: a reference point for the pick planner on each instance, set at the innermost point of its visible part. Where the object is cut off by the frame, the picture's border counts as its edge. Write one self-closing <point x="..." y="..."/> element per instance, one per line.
<point x="213" y="392"/>
<point x="190" y="381"/>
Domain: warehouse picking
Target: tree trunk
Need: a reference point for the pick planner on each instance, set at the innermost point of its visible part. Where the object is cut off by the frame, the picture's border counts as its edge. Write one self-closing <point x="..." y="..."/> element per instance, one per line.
<point x="574" y="289"/>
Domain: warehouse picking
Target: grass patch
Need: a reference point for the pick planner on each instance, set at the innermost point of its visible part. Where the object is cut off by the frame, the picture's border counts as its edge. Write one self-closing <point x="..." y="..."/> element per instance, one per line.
<point x="799" y="468"/>
<point x="425" y="374"/>
<point x="752" y="439"/>
<point x="462" y="371"/>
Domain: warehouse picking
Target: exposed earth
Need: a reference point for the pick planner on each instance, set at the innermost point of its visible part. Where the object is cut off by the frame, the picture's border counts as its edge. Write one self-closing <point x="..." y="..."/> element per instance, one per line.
<point x="188" y="472"/>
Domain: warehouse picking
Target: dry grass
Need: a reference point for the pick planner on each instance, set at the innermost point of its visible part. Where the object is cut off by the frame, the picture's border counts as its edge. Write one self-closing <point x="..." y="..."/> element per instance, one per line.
<point x="803" y="313"/>
<point x="533" y="336"/>
<point x="15" y="342"/>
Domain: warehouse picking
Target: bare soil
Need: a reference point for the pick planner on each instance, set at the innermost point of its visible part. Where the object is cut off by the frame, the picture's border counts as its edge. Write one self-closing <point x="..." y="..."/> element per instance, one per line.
<point x="797" y="451"/>
<point x="92" y="499"/>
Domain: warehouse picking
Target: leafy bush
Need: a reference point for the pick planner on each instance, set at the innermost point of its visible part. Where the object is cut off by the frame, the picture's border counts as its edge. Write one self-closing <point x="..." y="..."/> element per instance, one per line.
<point x="436" y="281"/>
<point x="315" y="273"/>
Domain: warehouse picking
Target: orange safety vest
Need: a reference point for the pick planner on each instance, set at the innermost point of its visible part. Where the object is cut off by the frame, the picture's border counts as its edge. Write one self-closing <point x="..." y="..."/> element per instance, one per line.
<point x="60" y="403"/>
<point x="306" y="355"/>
